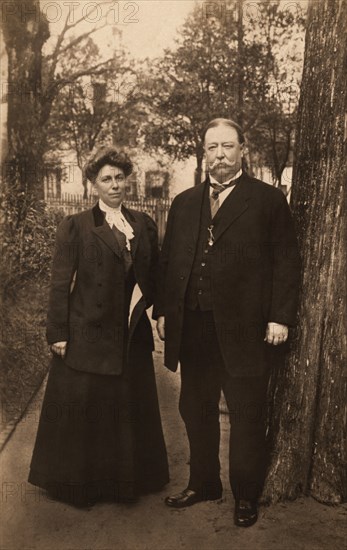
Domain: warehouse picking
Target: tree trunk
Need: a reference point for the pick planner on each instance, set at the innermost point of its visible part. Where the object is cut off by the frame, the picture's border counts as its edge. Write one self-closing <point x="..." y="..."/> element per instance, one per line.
<point x="199" y="160"/>
<point x="240" y="61"/>
<point x="25" y="31"/>
<point x="85" y="186"/>
<point x="309" y="415"/>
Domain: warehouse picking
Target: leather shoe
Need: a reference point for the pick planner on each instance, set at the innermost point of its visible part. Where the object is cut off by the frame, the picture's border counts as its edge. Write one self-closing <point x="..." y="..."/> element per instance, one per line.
<point x="246" y="513"/>
<point x="188" y="497"/>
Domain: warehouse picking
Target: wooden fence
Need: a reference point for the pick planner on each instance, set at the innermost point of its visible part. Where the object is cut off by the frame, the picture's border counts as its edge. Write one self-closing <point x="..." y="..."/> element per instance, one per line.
<point x="158" y="209"/>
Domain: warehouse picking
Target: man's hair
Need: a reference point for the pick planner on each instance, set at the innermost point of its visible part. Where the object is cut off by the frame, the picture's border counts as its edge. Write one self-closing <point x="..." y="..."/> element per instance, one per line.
<point x="224" y="122"/>
<point x="107" y="155"/>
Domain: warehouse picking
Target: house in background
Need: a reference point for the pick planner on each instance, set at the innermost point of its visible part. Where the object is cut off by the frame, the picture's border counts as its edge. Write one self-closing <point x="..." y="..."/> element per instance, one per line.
<point x="157" y="184"/>
<point x="154" y="177"/>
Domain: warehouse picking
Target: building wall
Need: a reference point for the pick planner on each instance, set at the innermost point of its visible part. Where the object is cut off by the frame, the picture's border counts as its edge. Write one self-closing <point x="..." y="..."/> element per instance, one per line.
<point x="180" y="173"/>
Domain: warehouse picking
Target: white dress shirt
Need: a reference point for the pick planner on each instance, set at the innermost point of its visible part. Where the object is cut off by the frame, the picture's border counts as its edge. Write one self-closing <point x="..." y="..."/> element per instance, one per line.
<point x="224" y="194"/>
<point x="114" y="217"/>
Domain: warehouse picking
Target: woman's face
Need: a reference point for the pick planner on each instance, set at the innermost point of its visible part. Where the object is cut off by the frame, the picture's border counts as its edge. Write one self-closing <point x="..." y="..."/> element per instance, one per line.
<point x="110" y="185"/>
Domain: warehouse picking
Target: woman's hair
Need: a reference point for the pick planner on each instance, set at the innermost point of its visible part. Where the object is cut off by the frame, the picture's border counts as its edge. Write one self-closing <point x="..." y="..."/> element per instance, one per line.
<point x="107" y="155"/>
<point x="224" y="122"/>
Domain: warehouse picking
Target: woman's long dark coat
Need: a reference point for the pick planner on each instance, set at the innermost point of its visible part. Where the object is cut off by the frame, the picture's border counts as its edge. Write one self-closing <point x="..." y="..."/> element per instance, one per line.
<point x="105" y="439"/>
<point x="87" y="305"/>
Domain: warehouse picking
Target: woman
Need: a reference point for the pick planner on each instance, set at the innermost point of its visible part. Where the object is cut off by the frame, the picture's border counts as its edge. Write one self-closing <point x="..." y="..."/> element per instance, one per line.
<point x="100" y="434"/>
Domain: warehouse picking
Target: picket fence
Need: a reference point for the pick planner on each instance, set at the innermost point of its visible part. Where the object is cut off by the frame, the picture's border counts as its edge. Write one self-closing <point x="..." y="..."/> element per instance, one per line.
<point x="71" y="203"/>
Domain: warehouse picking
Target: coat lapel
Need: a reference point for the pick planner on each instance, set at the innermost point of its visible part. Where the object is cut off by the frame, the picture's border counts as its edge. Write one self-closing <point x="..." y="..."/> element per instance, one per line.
<point x="193" y="209"/>
<point x="233" y="206"/>
<point x="136" y="225"/>
<point x="104" y="232"/>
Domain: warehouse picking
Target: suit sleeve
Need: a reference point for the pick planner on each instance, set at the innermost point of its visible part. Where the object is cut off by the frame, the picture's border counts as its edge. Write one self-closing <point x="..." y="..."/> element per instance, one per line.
<point x="286" y="264"/>
<point x="63" y="269"/>
<point x="159" y="302"/>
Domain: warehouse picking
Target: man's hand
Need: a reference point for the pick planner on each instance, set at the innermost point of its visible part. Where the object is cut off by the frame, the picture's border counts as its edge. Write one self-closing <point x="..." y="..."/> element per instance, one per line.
<point x="161" y="328"/>
<point x="59" y="348"/>
<point x="276" y="334"/>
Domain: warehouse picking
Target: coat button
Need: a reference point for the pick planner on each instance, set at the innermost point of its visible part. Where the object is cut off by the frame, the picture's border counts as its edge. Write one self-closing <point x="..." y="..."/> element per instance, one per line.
<point x="203" y="264"/>
<point x="99" y="305"/>
<point x="182" y="277"/>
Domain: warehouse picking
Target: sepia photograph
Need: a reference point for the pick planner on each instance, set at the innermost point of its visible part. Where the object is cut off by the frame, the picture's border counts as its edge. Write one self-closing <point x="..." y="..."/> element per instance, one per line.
<point x="173" y="335"/>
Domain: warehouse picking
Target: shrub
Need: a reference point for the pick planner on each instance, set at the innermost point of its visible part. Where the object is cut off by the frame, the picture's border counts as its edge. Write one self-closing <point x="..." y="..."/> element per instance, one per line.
<point x="28" y="229"/>
<point x="28" y="236"/>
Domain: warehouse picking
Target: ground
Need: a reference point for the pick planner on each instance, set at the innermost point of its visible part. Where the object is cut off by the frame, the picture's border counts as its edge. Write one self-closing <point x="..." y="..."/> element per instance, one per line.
<point x="30" y="521"/>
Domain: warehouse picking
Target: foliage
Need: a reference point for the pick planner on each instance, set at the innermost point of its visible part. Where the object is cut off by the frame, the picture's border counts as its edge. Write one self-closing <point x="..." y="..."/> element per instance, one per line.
<point x="24" y="353"/>
<point x="70" y="57"/>
<point x="27" y="241"/>
<point x="280" y="32"/>
<point x="189" y="85"/>
<point x="28" y="235"/>
<point x="36" y="77"/>
<point x="24" y="38"/>
<point x="204" y="75"/>
<point x="94" y="110"/>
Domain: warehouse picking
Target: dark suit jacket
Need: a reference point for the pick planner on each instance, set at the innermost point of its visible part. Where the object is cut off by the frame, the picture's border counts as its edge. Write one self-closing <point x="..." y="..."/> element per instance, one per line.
<point x="87" y="300"/>
<point x="254" y="271"/>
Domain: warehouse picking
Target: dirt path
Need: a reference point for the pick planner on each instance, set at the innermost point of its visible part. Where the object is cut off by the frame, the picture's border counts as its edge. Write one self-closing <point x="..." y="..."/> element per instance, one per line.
<point x="29" y="521"/>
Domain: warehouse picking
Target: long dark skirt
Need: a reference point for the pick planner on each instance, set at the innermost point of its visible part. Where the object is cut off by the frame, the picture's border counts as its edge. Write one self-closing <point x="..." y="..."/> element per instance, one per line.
<point x="99" y="437"/>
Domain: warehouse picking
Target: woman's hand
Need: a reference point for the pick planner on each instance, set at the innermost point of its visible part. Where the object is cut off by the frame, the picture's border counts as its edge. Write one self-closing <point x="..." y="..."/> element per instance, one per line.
<point x="161" y="328"/>
<point x="59" y="348"/>
<point x="276" y="333"/>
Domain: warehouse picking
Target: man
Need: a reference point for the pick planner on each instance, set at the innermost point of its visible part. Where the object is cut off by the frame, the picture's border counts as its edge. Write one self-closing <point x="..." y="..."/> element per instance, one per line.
<point x="228" y="285"/>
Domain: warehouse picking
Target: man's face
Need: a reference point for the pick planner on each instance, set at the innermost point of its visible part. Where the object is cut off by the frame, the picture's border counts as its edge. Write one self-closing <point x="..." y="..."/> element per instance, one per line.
<point x="223" y="152"/>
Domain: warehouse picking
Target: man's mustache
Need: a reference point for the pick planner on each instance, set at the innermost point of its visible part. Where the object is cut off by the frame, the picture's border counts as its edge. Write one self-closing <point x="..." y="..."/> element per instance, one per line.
<point x="221" y="164"/>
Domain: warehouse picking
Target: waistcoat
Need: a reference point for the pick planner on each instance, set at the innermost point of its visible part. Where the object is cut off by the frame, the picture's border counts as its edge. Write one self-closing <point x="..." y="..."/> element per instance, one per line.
<point x="198" y="294"/>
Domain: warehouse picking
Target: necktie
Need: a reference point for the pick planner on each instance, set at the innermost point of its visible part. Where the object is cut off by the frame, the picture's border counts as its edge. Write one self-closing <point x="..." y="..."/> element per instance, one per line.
<point x="214" y="197"/>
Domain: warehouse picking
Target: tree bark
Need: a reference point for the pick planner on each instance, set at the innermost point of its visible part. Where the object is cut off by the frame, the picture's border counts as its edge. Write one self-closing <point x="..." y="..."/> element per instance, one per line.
<point x="25" y="31"/>
<point x="240" y="61"/>
<point x="199" y="161"/>
<point x="309" y="414"/>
